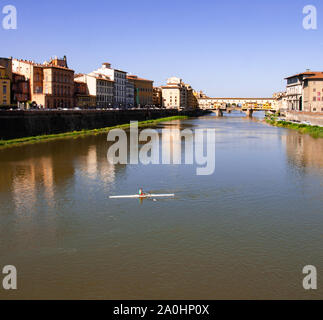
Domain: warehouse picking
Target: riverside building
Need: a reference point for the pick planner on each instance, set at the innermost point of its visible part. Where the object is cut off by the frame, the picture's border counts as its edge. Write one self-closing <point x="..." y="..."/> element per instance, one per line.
<point x="99" y="86"/>
<point x="119" y="83"/>
<point x="130" y="94"/>
<point x="304" y="91"/>
<point x="4" y="88"/>
<point x="174" y="94"/>
<point x="51" y="83"/>
<point x="143" y="91"/>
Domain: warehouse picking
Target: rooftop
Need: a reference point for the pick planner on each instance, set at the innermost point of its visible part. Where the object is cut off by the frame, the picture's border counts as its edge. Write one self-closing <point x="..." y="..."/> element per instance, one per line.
<point x="306" y="73"/>
<point x="42" y="65"/>
<point x="134" y="77"/>
<point x="100" y="76"/>
<point x="170" y="87"/>
<point x="317" y="76"/>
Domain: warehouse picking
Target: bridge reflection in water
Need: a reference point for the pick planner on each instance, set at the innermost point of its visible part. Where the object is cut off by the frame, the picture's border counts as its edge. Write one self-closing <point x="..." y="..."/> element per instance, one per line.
<point x="248" y="111"/>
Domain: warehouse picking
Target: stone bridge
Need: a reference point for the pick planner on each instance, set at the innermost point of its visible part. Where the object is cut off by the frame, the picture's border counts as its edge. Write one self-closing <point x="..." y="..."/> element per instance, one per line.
<point x="247" y="105"/>
<point x="209" y="103"/>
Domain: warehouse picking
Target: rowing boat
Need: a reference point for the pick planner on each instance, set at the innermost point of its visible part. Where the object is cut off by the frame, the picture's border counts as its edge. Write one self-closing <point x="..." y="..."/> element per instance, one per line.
<point x="148" y="195"/>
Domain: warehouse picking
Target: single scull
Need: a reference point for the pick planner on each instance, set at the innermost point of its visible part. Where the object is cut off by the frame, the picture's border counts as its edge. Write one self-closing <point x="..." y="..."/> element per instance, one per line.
<point x="147" y="195"/>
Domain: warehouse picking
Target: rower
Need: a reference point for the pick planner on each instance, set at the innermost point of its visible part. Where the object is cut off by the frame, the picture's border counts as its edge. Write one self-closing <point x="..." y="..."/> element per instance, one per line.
<point x="141" y="193"/>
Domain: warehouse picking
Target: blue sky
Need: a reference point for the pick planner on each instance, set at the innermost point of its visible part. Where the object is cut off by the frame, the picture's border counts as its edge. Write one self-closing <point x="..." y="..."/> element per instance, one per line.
<point x="224" y="47"/>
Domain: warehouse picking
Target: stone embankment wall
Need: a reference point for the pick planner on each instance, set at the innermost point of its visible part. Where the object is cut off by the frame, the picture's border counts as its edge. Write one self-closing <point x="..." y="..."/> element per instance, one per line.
<point x="18" y="124"/>
<point x="315" y="118"/>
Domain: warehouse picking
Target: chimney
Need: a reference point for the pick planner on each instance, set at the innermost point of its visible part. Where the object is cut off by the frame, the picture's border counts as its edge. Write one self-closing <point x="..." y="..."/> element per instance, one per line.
<point x="106" y="65"/>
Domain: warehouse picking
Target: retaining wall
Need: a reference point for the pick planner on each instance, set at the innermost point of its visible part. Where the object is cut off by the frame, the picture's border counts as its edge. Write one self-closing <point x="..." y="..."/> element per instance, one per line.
<point x="315" y="118"/>
<point x="18" y="124"/>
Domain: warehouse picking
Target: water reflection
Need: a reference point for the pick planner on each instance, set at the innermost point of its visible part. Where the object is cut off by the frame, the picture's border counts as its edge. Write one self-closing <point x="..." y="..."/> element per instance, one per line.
<point x="32" y="173"/>
<point x="303" y="150"/>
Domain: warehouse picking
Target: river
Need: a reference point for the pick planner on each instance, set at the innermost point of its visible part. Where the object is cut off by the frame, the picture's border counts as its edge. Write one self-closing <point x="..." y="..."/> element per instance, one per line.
<point x="244" y="232"/>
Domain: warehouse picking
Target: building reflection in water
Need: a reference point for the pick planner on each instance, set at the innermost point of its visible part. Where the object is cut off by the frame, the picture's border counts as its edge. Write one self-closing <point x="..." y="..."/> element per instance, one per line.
<point x="172" y="146"/>
<point x="176" y="145"/>
<point x="303" y="151"/>
<point x="29" y="180"/>
<point x="92" y="161"/>
<point x="96" y="165"/>
<point x="24" y="186"/>
<point x="47" y="171"/>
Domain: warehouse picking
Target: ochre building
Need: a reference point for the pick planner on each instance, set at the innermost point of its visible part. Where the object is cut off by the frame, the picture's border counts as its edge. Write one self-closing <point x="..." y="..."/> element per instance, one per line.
<point x="4" y="87"/>
<point x="143" y="91"/>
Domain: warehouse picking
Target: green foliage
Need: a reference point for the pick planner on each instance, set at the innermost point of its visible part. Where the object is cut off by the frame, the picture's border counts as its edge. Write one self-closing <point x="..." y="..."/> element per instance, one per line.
<point x="314" y="131"/>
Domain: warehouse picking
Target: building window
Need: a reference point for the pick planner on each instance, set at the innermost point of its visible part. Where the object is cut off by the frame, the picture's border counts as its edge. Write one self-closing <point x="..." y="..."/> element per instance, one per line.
<point x="314" y="98"/>
<point x="4" y="89"/>
<point x="314" y="89"/>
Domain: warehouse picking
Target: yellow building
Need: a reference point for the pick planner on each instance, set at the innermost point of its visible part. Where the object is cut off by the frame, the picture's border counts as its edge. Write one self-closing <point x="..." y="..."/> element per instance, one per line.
<point x="143" y="91"/>
<point x="191" y="97"/>
<point x="4" y="87"/>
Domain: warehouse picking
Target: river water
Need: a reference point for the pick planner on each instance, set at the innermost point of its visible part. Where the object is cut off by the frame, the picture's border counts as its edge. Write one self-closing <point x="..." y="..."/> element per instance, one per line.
<point x="244" y="232"/>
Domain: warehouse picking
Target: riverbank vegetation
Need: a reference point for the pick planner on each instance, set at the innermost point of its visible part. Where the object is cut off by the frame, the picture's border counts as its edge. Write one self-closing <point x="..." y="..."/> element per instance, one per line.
<point x="35" y="139"/>
<point x="314" y="131"/>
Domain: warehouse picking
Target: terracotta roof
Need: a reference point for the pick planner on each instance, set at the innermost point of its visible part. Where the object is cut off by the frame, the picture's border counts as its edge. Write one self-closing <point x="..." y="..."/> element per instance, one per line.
<point x="306" y="73"/>
<point x="170" y="87"/>
<point x="315" y="77"/>
<point x="42" y="65"/>
<point x="46" y="66"/>
<point x="133" y="77"/>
